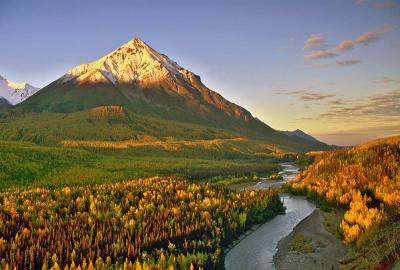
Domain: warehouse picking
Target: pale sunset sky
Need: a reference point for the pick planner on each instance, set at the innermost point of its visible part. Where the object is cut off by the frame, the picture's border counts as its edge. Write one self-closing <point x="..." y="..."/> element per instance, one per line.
<point x="330" y="68"/>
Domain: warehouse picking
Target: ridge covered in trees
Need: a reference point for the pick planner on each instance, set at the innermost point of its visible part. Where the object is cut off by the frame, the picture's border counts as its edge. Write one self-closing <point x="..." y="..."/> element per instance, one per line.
<point x="365" y="180"/>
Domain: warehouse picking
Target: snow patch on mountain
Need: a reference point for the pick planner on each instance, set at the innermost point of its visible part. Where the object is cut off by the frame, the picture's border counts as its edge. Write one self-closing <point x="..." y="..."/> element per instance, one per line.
<point x="15" y="92"/>
<point x="134" y="61"/>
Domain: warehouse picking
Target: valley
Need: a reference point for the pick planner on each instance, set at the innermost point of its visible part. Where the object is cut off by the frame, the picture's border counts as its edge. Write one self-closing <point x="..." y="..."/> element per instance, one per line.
<point x="115" y="154"/>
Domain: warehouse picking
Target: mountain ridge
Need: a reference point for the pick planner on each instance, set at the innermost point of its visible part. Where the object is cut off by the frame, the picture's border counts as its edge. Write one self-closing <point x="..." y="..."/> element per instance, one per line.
<point x="15" y="92"/>
<point x="147" y="83"/>
<point x="299" y="133"/>
<point x="133" y="67"/>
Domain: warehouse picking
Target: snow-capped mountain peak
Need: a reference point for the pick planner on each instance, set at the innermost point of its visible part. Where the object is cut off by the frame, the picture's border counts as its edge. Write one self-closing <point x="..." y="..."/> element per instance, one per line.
<point x="15" y="92"/>
<point x="134" y="61"/>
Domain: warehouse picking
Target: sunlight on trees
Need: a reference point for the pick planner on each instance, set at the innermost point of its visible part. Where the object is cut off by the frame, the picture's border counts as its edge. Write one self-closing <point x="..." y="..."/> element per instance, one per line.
<point x="155" y="223"/>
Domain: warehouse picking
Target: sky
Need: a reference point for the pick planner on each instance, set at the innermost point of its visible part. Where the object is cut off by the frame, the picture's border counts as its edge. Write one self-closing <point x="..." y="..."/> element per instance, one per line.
<point x="329" y="68"/>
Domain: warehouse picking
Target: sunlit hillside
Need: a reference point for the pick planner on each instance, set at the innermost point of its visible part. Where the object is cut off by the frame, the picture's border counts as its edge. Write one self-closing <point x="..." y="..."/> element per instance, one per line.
<point x="366" y="181"/>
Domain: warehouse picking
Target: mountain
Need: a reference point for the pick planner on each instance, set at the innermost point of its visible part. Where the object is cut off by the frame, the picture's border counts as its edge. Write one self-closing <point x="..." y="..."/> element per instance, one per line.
<point x="299" y="133"/>
<point x="4" y="103"/>
<point x="138" y="77"/>
<point x="147" y="85"/>
<point x="15" y="92"/>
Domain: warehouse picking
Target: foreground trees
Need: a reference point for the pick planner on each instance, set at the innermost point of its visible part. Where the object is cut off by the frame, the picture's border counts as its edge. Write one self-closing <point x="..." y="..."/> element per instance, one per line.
<point x="145" y="224"/>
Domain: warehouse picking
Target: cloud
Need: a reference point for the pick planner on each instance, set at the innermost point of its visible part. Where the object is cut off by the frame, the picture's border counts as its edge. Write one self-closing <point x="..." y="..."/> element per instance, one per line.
<point x="345" y="45"/>
<point x="378" y="107"/>
<point x="363" y="39"/>
<point x="337" y="102"/>
<point x="366" y="38"/>
<point x="306" y="95"/>
<point x="385" y="4"/>
<point x="305" y="119"/>
<point x="320" y="54"/>
<point x="375" y="116"/>
<point x="348" y="62"/>
<point x="386" y="80"/>
<point x="315" y="42"/>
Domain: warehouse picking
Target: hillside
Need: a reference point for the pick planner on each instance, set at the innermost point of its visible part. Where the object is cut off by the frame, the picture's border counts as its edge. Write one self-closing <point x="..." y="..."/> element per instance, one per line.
<point x="138" y="92"/>
<point x="117" y="124"/>
<point x="365" y="180"/>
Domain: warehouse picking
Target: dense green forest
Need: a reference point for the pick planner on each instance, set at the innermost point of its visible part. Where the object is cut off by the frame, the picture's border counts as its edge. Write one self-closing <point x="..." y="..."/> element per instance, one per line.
<point x="26" y="164"/>
<point x="119" y="124"/>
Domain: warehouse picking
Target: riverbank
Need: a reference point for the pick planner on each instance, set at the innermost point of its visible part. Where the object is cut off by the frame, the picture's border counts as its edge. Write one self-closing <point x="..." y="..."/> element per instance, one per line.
<point x="255" y="249"/>
<point x="309" y="246"/>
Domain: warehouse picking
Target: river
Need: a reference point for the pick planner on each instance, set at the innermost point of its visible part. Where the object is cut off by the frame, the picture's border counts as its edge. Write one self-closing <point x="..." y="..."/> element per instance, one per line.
<point x="257" y="248"/>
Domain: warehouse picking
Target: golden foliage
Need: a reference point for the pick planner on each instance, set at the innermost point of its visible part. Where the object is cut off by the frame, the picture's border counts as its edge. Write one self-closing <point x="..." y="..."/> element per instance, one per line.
<point x="168" y="144"/>
<point x="155" y="223"/>
<point x="366" y="179"/>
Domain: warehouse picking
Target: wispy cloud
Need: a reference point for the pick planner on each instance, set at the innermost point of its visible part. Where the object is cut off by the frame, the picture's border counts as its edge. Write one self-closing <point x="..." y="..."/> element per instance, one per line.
<point x="320" y="54"/>
<point x="363" y="39"/>
<point x="345" y="45"/>
<point x="348" y="62"/>
<point x="306" y="95"/>
<point x="337" y="102"/>
<point x="386" y="80"/>
<point x="367" y="37"/>
<point x="315" y="42"/>
<point x="305" y="119"/>
<point x="376" y="107"/>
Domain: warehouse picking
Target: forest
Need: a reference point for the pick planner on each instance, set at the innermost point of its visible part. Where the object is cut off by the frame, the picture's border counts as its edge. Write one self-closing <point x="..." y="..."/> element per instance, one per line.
<point x="150" y="223"/>
<point x="364" y="180"/>
<point x="25" y="164"/>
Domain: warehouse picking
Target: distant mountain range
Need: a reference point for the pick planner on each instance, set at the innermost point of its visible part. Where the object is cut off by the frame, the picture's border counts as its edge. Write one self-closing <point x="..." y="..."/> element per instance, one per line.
<point x="299" y="133"/>
<point x="15" y="92"/>
<point x="136" y="82"/>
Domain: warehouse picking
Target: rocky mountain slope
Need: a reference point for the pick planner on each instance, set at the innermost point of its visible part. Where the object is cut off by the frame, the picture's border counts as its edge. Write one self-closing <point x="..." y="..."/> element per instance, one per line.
<point x="15" y="92"/>
<point x="138" y="77"/>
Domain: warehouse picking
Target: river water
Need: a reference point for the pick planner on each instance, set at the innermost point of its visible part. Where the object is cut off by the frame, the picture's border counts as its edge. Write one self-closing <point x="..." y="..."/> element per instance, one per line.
<point x="256" y="250"/>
